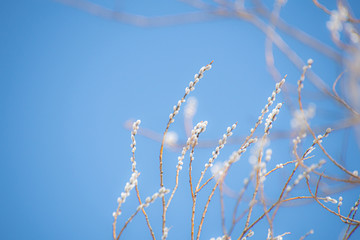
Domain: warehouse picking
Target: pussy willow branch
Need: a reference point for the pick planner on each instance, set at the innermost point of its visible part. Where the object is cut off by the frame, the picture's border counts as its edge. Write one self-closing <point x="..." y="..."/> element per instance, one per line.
<point x="171" y="120"/>
<point x="312" y="132"/>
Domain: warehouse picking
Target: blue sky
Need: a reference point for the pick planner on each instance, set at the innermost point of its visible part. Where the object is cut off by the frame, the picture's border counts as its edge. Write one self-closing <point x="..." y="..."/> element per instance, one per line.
<point x="70" y="80"/>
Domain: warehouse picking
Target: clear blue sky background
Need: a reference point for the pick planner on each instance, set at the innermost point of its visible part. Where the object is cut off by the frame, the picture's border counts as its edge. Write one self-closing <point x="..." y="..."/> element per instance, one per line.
<point x="69" y="82"/>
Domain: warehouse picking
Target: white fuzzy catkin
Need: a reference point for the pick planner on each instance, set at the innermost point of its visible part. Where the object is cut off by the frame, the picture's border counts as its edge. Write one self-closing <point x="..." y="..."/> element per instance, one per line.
<point x="165" y="234"/>
<point x="330" y="199"/>
<point x="191" y="87"/>
<point x="302" y="78"/>
<point x="222" y="143"/>
<point x="135" y="128"/>
<point x="340" y="201"/>
<point x="270" y="101"/>
<point x="236" y="155"/>
<point x="128" y="187"/>
<point x="219" y="168"/>
<point x="221" y="238"/>
<point x="192" y="141"/>
<point x="162" y="191"/>
<point x="279" y="237"/>
<point x="319" y="138"/>
<point x="356" y="205"/>
<point x="135" y="174"/>
<point x="249" y="234"/>
<point x="272" y="117"/>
